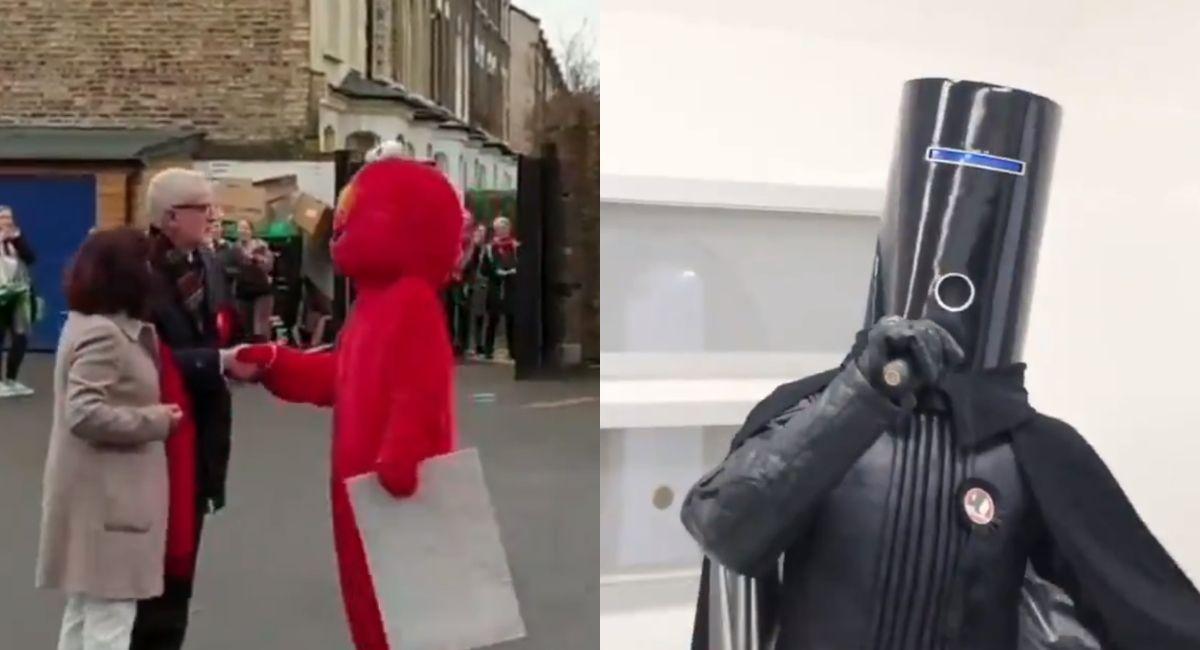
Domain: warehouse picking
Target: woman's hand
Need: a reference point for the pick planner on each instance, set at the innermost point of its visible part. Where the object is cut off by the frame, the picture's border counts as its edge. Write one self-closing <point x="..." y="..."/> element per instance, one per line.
<point x="175" y="415"/>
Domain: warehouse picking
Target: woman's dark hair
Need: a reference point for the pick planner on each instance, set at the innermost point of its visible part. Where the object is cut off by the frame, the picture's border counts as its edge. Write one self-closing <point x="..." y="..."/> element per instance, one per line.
<point x="111" y="274"/>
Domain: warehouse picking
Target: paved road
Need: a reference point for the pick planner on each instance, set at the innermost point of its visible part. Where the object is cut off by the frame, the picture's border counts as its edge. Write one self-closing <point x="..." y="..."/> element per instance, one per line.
<point x="267" y="575"/>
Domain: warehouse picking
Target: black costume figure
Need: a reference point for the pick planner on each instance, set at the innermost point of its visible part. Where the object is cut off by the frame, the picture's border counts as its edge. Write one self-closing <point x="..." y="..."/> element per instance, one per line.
<point x="876" y="516"/>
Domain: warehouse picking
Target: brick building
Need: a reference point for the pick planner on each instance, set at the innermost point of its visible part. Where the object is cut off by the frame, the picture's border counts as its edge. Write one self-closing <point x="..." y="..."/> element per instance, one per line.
<point x="99" y="94"/>
<point x="489" y="66"/>
<point x="262" y="78"/>
<point x="233" y="70"/>
<point x="534" y="78"/>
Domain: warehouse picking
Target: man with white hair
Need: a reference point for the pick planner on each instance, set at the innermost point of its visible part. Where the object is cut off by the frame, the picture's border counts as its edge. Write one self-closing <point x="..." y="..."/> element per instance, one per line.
<point x="179" y="203"/>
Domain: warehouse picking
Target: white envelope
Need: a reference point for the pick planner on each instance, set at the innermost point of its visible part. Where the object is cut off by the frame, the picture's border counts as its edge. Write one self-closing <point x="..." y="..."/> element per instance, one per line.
<point x="440" y="572"/>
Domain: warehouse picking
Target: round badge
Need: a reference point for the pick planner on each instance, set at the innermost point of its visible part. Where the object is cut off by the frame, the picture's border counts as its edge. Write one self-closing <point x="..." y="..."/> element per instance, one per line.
<point x="979" y="506"/>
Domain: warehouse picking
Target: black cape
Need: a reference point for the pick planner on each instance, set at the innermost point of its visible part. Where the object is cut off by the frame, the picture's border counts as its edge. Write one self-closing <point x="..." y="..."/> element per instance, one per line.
<point x="1127" y="590"/>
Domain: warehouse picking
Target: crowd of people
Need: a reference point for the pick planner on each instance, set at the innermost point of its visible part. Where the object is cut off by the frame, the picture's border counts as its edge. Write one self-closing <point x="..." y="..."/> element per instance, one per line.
<point x="248" y="264"/>
<point x="482" y="297"/>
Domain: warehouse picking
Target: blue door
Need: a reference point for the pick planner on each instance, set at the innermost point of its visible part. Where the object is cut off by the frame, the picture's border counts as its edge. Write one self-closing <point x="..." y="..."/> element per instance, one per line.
<point x="54" y="214"/>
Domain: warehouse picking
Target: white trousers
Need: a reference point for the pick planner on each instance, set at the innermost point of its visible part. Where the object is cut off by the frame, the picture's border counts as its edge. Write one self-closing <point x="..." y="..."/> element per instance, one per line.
<point x="97" y="624"/>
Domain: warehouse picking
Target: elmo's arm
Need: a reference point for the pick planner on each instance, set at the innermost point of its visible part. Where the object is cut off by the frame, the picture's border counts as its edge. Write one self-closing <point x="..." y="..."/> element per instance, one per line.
<point x="292" y="375"/>
<point x="420" y="416"/>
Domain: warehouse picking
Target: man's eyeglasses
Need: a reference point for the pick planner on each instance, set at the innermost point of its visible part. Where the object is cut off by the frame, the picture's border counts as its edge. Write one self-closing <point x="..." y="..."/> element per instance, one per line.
<point x="206" y="208"/>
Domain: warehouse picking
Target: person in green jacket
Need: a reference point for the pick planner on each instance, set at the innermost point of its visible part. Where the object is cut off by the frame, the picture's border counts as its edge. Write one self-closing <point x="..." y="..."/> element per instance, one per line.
<point x="18" y="303"/>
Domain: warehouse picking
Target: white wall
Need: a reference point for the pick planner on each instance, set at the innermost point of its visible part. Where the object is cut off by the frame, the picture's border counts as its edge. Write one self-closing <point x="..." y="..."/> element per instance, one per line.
<point x="806" y="92"/>
<point x="451" y="145"/>
<point x="422" y="136"/>
<point x="497" y="166"/>
<point x="711" y="282"/>
<point x="385" y="121"/>
<point x="733" y="270"/>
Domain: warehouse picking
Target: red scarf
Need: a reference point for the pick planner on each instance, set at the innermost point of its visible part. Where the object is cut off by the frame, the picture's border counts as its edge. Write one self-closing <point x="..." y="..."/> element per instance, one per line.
<point x="181" y="471"/>
<point x="505" y="245"/>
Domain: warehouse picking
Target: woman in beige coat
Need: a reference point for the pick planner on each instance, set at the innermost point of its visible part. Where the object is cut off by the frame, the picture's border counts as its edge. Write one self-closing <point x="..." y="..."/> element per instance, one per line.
<point x="104" y="508"/>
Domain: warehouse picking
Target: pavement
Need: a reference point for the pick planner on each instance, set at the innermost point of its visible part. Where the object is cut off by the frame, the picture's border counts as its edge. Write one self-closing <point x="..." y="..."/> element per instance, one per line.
<point x="267" y="578"/>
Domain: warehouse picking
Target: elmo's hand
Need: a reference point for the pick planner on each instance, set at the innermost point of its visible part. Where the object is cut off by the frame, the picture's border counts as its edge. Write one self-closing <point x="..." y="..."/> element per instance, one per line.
<point x="293" y="375"/>
<point x="398" y="478"/>
<point x="262" y="356"/>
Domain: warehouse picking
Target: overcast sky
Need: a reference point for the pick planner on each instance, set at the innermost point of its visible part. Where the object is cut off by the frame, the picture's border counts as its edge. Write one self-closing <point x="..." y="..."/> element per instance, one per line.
<point x="561" y="19"/>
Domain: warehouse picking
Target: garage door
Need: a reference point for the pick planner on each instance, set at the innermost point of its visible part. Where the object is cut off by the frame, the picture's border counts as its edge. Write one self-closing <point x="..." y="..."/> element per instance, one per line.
<point x="55" y="214"/>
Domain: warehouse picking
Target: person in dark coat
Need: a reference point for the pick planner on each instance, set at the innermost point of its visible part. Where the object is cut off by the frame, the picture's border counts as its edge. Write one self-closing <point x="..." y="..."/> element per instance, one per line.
<point x="253" y="263"/>
<point x="500" y="266"/>
<point x="477" y="292"/>
<point x="912" y="498"/>
<point x="457" y="291"/>
<point x="192" y="291"/>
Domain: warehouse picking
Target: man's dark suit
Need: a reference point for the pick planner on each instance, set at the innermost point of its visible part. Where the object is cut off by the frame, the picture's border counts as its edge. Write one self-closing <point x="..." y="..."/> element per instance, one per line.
<point x="162" y="622"/>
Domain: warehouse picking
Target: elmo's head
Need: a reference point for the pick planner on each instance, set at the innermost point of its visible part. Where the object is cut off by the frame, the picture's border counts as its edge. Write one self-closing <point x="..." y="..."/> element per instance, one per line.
<point x="397" y="218"/>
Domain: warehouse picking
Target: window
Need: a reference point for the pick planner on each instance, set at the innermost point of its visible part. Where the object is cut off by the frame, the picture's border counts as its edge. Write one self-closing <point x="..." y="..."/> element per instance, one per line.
<point x="409" y="150"/>
<point x="361" y="141"/>
<point x="328" y="139"/>
<point x="429" y="152"/>
<point x="441" y="162"/>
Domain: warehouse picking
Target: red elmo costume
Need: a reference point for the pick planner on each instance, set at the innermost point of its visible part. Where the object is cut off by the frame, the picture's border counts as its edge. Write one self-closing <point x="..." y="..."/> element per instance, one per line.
<point x="390" y="379"/>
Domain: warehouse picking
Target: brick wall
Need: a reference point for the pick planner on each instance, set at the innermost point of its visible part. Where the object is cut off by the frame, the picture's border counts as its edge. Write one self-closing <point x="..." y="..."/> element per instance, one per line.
<point x="237" y="69"/>
<point x="574" y="128"/>
<point x="523" y="97"/>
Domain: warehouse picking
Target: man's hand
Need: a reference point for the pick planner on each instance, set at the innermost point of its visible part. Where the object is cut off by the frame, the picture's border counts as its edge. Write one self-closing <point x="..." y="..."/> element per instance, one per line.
<point x="930" y="349"/>
<point x="236" y="369"/>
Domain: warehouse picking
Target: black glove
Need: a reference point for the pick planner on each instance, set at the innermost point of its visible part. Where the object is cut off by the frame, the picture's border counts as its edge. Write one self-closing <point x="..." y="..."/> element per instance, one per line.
<point x="929" y="350"/>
